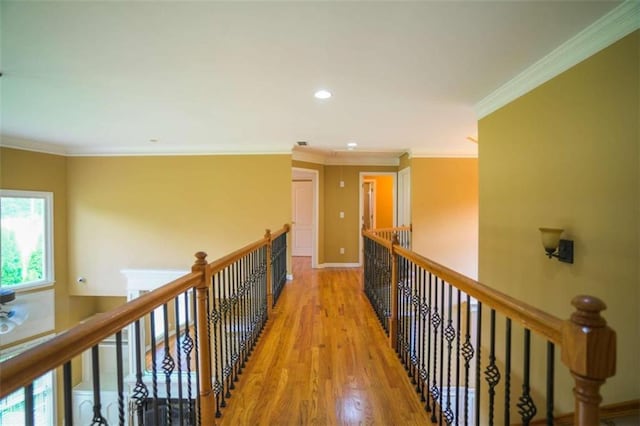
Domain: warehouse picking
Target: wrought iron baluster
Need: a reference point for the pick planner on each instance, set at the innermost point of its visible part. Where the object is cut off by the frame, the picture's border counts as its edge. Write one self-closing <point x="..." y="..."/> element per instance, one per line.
<point x="441" y="349"/>
<point x="194" y="295"/>
<point x="526" y="407"/>
<point x="235" y="359"/>
<point x="29" y="408"/>
<point x="550" y="381"/>
<point x="119" y="378"/>
<point x="140" y="391"/>
<point x="215" y="318"/>
<point x="450" y="334"/>
<point x="415" y="309"/>
<point x="176" y="308"/>
<point x="424" y="312"/>
<point x="67" y="391"/>
<point x="187" y="348"/>
<point x="492" y="373"/>
<point x="168" y="364"/>
<point x="226" y="318"/>
<point x="458" y="334"/>
<point x="154" y="368"/>
<point x="467" y="353"/>
<point x="429" y="333"/>
<point x="507" y="373"/>
<point x="478" y="361"/>
<point x="98" y="419"/>
<point x="419" y="324"/>
<point x="435" y="323"/>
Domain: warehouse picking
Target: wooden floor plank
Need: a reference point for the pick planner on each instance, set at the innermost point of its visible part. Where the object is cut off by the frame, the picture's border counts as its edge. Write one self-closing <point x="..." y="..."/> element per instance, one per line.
<point x="323" y="359"/>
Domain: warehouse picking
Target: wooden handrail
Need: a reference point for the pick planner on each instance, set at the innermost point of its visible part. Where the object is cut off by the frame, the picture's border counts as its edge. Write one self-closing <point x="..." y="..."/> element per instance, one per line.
<point x="529" y="316"/>
<point x="588" y="345"/>
<point x="286" y="228"/>
<point x="31" y="364"/>
<point x="394" y="228"/>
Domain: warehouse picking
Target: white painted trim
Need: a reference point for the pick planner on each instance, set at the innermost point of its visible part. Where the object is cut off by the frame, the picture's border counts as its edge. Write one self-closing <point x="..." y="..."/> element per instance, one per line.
<point x="354" y="159"/>
<point x="613" y="26"/>
<point x="289" y="277"/>
<point x="441" y="155"/>
<point x="338" y="265"/>
<point x="315" y="179"/>
<point x="149" y="279"/>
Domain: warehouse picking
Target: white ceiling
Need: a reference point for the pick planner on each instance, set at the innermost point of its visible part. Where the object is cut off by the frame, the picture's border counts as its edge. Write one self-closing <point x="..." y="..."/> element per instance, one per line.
<point x="101" y="77"/>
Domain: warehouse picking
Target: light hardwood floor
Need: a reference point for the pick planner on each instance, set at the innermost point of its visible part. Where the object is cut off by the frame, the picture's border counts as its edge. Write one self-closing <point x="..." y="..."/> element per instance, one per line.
<point x="324" y="359"/>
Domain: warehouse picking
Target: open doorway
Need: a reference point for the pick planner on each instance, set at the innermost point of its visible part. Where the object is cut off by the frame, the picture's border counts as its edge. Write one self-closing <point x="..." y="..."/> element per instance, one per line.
<point x="377" y="201"/>
<point x="304" y="214"/>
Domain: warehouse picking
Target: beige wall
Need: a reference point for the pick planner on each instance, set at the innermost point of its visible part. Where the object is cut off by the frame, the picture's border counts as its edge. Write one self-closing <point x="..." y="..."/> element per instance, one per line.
<point x="567" y="155"/>
<point x="156" y="212"/>
<point x="344" y="232"/>
<point x="32" y="171"/>
<point x="444" y="211"/>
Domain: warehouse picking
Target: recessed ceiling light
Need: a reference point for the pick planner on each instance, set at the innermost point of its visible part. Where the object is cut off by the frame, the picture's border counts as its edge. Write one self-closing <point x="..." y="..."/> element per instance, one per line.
<point x="352" y="144"/>
<point x="322" y="94"/>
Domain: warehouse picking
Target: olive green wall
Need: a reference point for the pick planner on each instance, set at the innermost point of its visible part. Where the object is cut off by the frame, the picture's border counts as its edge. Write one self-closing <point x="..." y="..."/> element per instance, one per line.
<point x="444" y="211"/>
<point x="345" y="232"/>
<point x="567" y="155"/>
<point x="156" y="212"/>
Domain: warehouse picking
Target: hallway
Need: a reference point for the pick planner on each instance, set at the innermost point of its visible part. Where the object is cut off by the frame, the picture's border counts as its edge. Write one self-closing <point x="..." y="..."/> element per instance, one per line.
<point x="323" y="359"/>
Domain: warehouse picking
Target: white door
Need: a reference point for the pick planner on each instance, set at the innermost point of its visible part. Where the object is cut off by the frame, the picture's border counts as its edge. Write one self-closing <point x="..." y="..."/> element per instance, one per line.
<point x="302" y="231"/>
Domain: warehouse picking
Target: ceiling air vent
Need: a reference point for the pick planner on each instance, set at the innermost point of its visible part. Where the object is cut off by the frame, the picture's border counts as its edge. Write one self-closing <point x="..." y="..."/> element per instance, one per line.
<point x="302" y="143"/>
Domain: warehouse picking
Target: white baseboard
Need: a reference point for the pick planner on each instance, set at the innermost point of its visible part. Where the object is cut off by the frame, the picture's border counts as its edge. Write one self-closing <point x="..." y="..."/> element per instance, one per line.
<point x="338" y="265"/>
<point x="289" y="277"/>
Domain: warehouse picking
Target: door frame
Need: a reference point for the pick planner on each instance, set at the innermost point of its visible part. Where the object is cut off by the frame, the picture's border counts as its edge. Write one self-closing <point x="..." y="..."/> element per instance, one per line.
<point x="361" y="201"/>
<point x="315" y="179"/>
<point x="372" y="200"/>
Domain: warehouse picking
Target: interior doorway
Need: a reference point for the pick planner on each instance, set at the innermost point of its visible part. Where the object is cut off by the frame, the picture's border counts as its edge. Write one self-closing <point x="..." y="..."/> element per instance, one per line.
<point x="378" y="201"/>
<point x="304" y="214"/>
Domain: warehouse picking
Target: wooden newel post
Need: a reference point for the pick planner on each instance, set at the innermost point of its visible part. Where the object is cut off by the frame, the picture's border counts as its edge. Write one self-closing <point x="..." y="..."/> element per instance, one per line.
<point x="269" y="289"/>
<point x="393" y="320"/>
<point x="205" y="393"/>
<point x="589" y="351"/>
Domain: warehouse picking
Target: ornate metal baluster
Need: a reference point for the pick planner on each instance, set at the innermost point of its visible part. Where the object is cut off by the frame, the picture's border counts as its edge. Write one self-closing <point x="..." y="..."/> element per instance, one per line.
<point x="187" y="348"/>
<point x="418" y="321"/>
<point x="429" y="328"/>
<point x="67" y="389"/>
<point x="243" y="313"/>
<point x="458" y="334"/>
<point x="467" y="353"/>
<point x="140" y="391"/>
<point x="235" y="358"/>
<point x="435" y="323"/>
<point x="441" y="349"/>
<point x="176" y="308"/>
<point x="226" y="319"/>
<point x="215" y="319"/>
<point x="119" y="378"/>
<point x="194" y="295"/>
<point x="154" y="368"/>
<point x="168" y="364"/>
<point x="29" y="410"/>
<point x="415" y="311"/>
<point x="424" y="312"/>
<point x="450" y="334"/>
<point x="550" y="381"/>
<point x="478" y="362"/>
<point x="98" y="419"/>
<point x="526" y="407"/>
<point x="507" y="373"/>
<point x="492" y="373"/>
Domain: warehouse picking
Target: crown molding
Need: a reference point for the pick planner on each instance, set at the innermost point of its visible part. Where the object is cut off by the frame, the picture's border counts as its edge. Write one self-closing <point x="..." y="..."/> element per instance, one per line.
<point x="354" y="159"/>
<point x="26" y="145"/>
<point x="610" y="28"/>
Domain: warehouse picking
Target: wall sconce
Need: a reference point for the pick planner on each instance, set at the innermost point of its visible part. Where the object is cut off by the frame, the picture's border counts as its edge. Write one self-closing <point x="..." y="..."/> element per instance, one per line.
<point x="556" y="247"/>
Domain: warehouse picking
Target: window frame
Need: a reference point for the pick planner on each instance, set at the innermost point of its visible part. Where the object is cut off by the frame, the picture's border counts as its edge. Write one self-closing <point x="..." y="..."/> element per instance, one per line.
<point x="48" y="264"/>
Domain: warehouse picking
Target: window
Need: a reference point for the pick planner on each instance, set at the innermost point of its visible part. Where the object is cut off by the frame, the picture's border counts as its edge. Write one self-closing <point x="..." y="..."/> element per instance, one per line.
<point x="12" y="407"/>
<point x="27" y="238"/>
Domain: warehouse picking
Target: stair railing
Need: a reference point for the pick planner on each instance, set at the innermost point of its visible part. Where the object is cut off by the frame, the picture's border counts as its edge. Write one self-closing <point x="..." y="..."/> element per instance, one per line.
<point x="189" y="341"/>
<point x="457" y="339"/>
